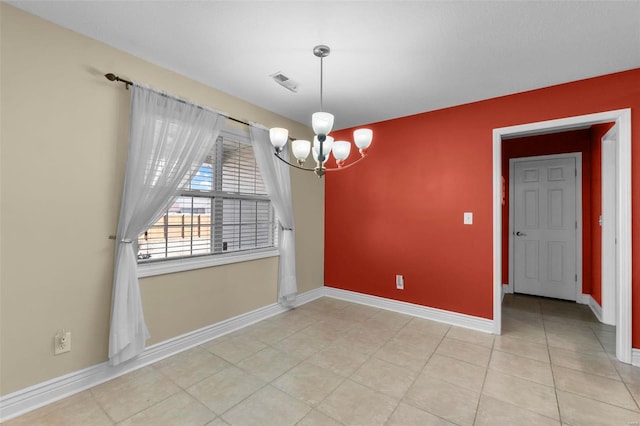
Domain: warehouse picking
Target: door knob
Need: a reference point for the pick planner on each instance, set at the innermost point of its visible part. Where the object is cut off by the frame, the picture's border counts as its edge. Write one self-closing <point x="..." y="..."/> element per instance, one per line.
<point x="521" y="234"/>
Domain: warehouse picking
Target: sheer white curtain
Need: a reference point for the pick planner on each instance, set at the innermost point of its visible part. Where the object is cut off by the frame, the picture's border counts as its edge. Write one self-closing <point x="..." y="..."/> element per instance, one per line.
<point x="168" y="141"/>
<point x="275" y="175"/>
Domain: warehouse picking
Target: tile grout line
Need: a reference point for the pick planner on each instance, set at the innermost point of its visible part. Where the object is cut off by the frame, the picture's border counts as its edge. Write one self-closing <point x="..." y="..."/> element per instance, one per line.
<point x="484" y="380"/>
<point x="371" y="357"/>
<point x="265" y="382"/>
<point x="235" y="365"/>
<point x="546" y="345"/>
<point x="93" y="397"/>
<point x="626" y="386"/>
<point x="553" y="373"/>
<point x="418" y="376"/>
<point x="185" y="390"/>
<point x="592" y="374"/>
<point x="345" y="378"/>
<point x="154" y="370"/>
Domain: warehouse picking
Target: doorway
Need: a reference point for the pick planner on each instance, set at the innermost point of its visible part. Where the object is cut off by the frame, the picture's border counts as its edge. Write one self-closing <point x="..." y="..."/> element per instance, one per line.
<point x="622" y="177"/>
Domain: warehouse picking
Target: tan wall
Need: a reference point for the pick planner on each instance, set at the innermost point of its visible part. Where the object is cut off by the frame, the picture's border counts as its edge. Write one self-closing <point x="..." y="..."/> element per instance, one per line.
<point x="63" y="149"/>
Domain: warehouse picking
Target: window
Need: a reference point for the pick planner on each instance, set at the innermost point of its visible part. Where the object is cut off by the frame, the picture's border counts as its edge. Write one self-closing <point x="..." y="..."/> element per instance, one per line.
<point x="223" y="209"/>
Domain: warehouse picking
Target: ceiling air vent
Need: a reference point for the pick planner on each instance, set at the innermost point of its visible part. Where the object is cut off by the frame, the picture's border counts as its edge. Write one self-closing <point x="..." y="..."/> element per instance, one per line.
<point x="285" y="81"/>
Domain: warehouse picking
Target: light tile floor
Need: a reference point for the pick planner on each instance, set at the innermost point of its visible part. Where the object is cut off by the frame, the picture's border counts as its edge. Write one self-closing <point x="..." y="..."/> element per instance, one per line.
<point x="331" y="362"/>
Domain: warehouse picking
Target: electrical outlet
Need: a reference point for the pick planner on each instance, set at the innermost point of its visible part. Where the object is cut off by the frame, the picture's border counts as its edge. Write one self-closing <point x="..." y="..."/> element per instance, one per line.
<point x="399" y="282"/>
<point x="62" y="342"/>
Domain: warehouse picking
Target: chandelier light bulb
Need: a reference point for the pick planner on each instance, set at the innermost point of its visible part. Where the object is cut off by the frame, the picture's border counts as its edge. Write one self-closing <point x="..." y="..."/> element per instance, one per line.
<point x="363" y="138"/>
<point x="341" y="150"/>
<point x="279" y="137"/>
<point x="301" y="148"/>
<point x="322" y="123"/>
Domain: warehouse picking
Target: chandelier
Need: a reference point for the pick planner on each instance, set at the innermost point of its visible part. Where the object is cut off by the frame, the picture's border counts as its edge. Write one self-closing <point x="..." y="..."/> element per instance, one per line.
<point x="323" y="144"/>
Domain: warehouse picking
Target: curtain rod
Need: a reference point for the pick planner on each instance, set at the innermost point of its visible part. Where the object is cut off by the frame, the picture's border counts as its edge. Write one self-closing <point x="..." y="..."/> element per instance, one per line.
<point x="127" y="83"/>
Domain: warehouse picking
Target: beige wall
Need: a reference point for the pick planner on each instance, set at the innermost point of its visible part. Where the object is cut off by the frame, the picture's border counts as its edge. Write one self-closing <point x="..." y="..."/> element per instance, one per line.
<point x="63" y="148"/>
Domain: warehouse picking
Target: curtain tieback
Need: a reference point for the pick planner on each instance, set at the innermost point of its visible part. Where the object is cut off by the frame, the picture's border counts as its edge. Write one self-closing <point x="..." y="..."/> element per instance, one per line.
<point x="286" y="229"/>
<point x="126" y="241"/>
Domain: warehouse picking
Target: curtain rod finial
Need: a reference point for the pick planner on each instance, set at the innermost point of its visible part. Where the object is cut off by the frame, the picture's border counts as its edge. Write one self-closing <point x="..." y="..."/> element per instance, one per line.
<point x="113" y="77"/>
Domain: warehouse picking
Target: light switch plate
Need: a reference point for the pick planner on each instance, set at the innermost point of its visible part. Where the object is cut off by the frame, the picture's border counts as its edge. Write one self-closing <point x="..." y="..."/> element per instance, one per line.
<point x="468" y="218"/>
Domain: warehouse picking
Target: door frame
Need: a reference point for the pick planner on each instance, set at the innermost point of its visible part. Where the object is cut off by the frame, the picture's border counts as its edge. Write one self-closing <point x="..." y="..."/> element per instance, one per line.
<point x="622" y="119"/>
<point x="608" y="224"/>
<point x="577" y="156"/>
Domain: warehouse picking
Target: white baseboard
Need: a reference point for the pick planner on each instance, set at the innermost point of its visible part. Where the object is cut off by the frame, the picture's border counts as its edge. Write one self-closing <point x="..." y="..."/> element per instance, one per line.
<point x="595" y="308"/>
<point x="593" y="305"/>
<point x="635" y="357"/>
<point x="506" y="288"/>
<point x="439" y="315"/>
<point x="41" y="394"/>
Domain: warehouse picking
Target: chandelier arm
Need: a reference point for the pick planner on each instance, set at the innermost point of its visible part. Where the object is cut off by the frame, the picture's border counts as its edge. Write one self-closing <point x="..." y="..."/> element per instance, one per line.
<point x="291" y="164"/>
<point x="335" y="169"/>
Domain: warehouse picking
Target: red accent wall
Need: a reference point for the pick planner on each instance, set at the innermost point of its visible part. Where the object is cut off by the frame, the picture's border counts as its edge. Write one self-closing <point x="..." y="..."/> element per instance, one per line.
<point x="552" y="143"/>
<point x="400" y="211"/>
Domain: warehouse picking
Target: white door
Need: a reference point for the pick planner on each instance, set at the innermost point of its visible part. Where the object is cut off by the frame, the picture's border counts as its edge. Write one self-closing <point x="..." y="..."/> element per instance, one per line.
<point x="545" y="227"/>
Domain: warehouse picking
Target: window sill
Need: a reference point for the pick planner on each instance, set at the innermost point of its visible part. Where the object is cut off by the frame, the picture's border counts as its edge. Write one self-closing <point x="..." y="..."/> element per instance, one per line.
<point x="171" y="266"/>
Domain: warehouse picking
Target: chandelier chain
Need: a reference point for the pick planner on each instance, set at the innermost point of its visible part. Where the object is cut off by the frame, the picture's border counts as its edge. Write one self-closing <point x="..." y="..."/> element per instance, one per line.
<point x="321" y="80"/>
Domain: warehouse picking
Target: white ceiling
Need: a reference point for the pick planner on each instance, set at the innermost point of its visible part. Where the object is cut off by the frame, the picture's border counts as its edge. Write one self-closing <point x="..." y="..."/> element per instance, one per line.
<point x="388" y="58"/>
